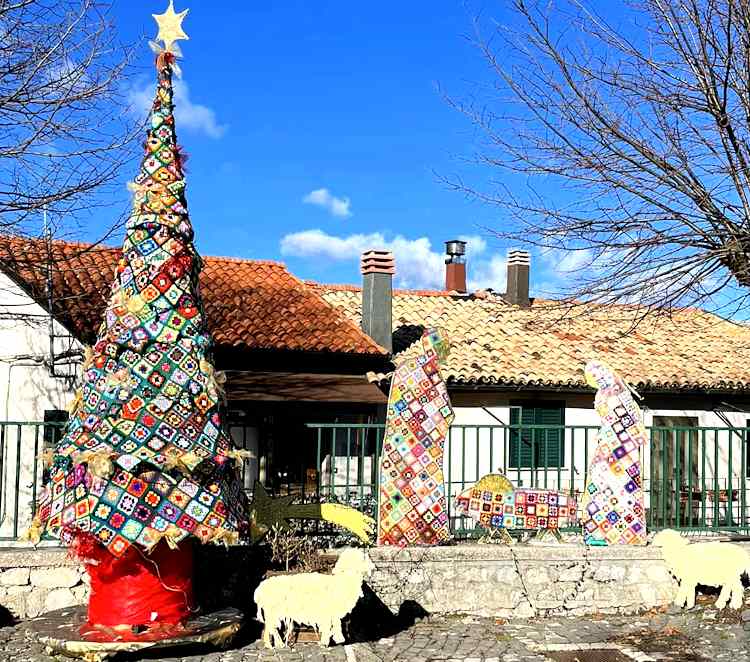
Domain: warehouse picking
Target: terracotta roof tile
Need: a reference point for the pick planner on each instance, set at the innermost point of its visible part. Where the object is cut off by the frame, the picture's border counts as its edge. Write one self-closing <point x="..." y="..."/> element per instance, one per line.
<point x="493" y="342"/>
<point x="249" y="304"/>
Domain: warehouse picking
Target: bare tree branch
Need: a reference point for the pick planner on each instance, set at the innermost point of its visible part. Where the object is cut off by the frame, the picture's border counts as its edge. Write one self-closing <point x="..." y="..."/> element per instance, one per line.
<point x="632" y="143"/>
<point x="63" y="132"/>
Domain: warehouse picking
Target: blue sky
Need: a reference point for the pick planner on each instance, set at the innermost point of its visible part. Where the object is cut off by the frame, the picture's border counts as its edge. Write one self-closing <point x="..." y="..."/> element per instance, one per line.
<point x="314" y="131"/>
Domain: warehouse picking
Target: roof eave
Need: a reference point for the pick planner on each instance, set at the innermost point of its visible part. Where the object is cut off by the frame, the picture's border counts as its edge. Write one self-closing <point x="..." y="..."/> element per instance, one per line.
<point x="643" y="389"/>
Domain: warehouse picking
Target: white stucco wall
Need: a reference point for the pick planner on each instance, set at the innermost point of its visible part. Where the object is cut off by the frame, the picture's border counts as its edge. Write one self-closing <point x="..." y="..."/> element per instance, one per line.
<point x="26" y="390"/>
<point x="26" y="387"/>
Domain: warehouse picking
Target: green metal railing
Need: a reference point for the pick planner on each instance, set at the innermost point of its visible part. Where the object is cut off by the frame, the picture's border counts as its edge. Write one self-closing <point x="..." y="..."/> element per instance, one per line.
<point x="699" y="478"/>
<point x="360" y="446"/>
<point x="22" y="471"/>
<point x="693" y="478"/>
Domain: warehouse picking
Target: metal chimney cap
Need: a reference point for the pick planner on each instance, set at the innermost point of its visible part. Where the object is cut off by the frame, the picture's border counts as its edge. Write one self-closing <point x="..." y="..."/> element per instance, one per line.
<point x="377" y="262"/>
<point x="455" y="247"/>
<point x="518" y="256"/>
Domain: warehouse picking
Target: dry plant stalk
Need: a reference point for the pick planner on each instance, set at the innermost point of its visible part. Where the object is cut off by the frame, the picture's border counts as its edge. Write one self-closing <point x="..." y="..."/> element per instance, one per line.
<point x="291" y="549"/>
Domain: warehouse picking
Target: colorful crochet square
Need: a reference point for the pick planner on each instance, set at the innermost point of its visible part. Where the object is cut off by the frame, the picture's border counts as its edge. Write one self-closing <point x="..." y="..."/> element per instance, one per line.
<point x="144" y="455"/>
<point x="542" y="509"/>
<point x="412" y="509"/>
<point x="494" y="503"/>
<point x="612" y="511"/>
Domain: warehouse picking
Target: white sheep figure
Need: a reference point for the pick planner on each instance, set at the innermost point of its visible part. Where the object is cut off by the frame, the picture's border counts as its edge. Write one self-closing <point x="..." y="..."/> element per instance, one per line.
<point x="718" y="564"/>
<point x="312" y="598"/>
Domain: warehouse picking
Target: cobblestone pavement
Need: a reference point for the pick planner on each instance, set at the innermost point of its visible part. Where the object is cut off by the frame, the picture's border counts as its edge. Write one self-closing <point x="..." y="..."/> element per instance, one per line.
<point x="673" y="636"/>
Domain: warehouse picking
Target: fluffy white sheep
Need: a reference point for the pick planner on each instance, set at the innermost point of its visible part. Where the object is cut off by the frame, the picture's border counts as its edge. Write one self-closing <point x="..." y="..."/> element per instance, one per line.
<point x="718" y="564"/>
<point x="312" y="598"/>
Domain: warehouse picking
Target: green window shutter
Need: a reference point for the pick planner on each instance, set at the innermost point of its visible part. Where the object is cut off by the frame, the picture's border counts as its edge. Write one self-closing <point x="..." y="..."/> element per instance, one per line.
<point x="520" y="440"/>
<point x="549" y="444"/>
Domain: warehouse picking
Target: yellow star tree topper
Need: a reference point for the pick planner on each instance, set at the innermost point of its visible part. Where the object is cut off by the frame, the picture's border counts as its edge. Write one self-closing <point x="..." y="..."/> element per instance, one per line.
<point x="170" y="26"/>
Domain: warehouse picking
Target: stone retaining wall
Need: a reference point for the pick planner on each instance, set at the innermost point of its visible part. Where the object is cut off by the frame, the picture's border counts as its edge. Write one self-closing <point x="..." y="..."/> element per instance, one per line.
<point x="487" y="580"/>
<point x="523" y="580"/>
<point x="35" y="581"/>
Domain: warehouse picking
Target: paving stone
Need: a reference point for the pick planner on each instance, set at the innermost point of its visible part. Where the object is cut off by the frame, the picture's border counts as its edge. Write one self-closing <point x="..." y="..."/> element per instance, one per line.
<point x="664" y="637"/>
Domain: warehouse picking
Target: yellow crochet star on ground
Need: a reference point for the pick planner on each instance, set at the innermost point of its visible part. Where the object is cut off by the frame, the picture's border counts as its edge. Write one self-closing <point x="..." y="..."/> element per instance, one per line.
<point x="170" y="26"/>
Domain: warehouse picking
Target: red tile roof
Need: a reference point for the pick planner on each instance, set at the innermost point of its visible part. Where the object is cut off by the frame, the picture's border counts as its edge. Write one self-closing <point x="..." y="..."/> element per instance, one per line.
<point x="250" y="304"/>
<point x="496" y="343"/>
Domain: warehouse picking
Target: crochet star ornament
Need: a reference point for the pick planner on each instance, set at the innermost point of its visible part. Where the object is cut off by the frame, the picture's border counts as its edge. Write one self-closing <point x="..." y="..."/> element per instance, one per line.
<point x="170" y="26"/>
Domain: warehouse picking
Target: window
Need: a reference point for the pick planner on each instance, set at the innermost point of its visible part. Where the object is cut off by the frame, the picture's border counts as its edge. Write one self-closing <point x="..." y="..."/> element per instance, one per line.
<point x="54" y="431"/>
<point x="54" y="420"/>
<point x="538" y="447"/>
<point x="674" y="477"/>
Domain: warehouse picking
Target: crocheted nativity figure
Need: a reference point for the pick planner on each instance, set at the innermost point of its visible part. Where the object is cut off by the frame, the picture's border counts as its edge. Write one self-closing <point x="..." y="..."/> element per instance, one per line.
<point x="412" y="508"/>
<point x="612" y="510"/>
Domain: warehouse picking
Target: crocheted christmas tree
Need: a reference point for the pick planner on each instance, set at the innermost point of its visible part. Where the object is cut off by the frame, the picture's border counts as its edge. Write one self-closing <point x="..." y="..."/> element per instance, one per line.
<point x="144" y="456"/>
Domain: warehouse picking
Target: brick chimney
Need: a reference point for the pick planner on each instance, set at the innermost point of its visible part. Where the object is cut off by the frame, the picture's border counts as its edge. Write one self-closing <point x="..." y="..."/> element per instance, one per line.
<point x="517" y="288"/>
<point x="455" y="266"/>
<point x="377" y="269"/>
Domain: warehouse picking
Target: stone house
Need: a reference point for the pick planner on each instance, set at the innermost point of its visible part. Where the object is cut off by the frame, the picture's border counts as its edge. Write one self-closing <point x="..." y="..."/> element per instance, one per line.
<point x="518" y="361"/>
<point x="295" y="354"/>
<point x="289" y="356"/>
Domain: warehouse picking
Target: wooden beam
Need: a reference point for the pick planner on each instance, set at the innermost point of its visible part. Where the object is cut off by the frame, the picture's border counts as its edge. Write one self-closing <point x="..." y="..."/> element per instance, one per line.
<point x="301" y="387"/>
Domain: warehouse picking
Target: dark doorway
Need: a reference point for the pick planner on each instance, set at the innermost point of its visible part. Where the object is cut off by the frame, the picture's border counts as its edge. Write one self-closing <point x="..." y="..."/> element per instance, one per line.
<point x="675" y="487"/>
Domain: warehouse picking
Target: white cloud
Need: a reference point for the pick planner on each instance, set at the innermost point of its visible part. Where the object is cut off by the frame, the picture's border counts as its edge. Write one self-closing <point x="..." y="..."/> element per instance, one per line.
<point x="475" y="245"/>
<point x="417" y="264"/>
<point x="318" y="243"/>
<point x="188" y="115"/>
<point x="322" y="197"/>
<point x="484" y="274"/>
<point x="563" y="262"/>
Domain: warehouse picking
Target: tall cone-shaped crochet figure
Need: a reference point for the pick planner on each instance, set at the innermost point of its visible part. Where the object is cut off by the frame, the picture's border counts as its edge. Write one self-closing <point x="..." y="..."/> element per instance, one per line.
<point x="144" y="468"/>
<point x="612" y="508"/>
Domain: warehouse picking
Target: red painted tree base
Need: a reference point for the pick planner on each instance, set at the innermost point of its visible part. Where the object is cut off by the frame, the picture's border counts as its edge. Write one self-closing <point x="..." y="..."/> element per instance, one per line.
<point x="67" y="632"/>
<point x="139" y="587"/>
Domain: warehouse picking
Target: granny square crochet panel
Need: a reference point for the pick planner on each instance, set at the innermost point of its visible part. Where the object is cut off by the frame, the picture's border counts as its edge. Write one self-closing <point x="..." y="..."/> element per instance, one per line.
<point x="412" y="508"/>
<point x="148" y="408"/>
<point x="539" y="509"/>
<point x="527" y="509"/>
<point x="612" y="509"/>
<point x="494" y="503"/>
